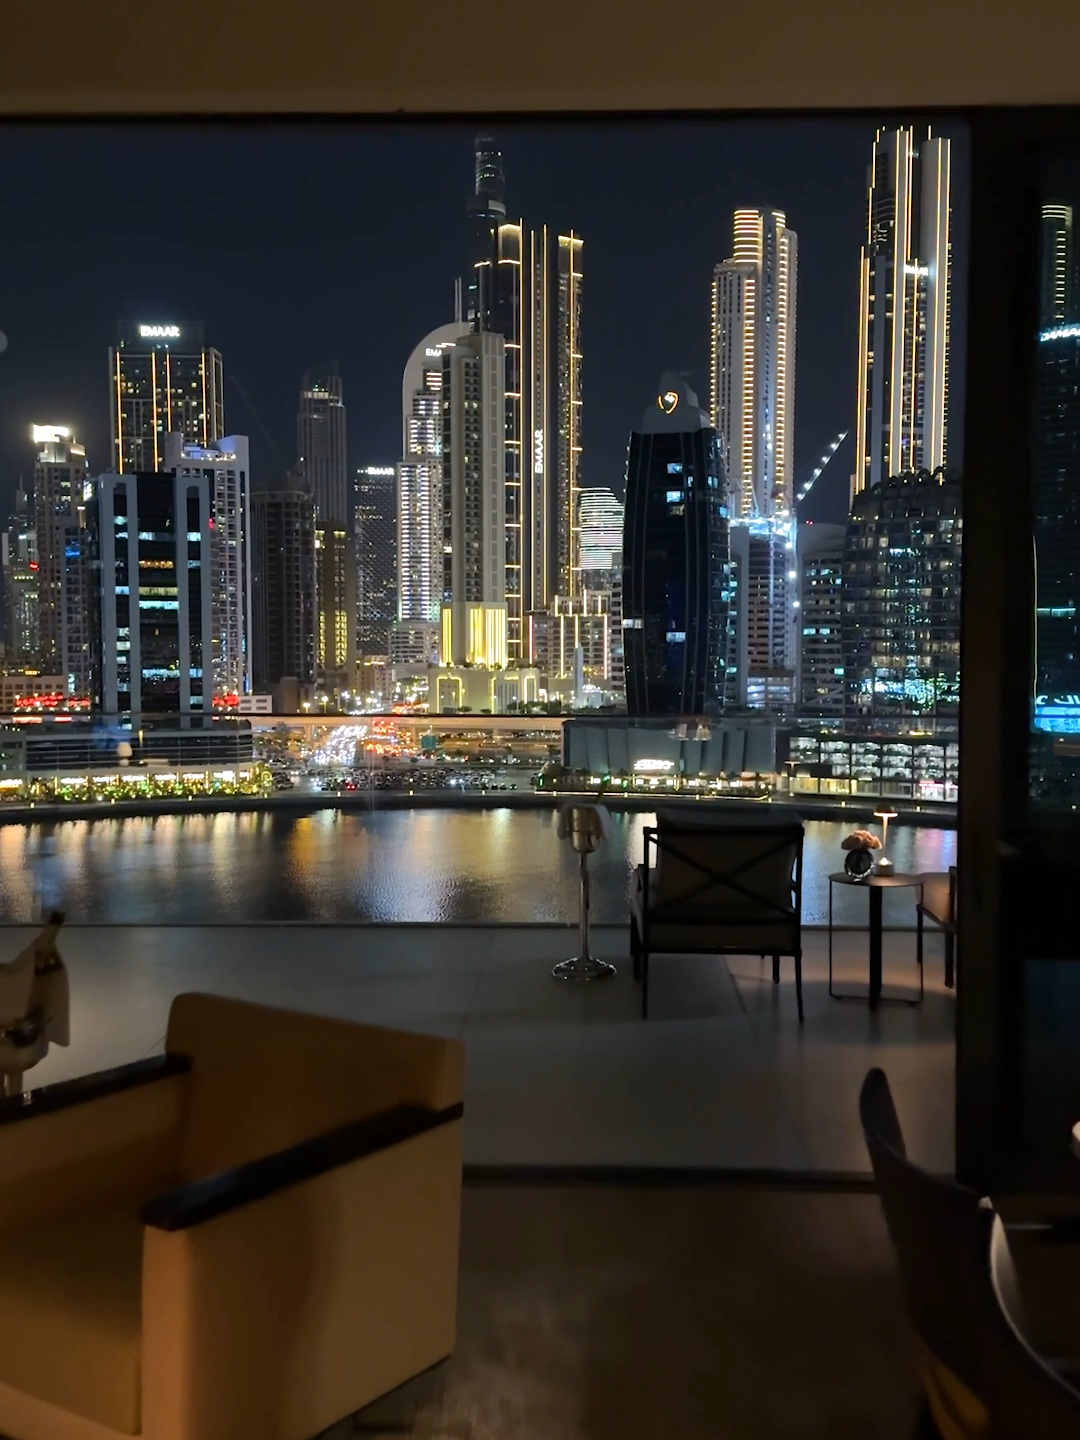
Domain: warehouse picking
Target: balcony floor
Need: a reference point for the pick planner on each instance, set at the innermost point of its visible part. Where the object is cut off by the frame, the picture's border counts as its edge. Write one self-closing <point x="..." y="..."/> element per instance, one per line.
<point x="722" y="1074"/>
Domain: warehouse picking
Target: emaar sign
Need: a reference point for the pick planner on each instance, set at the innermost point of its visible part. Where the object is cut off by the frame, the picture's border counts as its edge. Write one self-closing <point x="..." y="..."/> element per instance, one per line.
<point x="159" y="332"/>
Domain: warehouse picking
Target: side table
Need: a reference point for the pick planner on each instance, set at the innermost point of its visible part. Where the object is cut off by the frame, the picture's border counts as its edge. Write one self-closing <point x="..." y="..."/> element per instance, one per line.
<point x="875" y="884"/>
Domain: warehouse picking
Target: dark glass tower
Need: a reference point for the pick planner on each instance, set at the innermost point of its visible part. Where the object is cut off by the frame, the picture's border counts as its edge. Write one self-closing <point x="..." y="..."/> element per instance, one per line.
<point x="375" y="527"/>
<point x="676" y="561"/>
<point x="900" y="600"/>
<point x="487" y="211"/>
<point x="1056" y="478"/>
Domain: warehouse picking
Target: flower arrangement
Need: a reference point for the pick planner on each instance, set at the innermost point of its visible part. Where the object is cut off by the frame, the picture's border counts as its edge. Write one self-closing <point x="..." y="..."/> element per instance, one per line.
<point x="860" y="840"/>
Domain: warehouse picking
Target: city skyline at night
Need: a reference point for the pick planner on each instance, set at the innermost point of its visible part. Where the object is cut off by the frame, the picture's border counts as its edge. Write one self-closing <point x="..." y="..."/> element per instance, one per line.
<point x="276" y="296"/>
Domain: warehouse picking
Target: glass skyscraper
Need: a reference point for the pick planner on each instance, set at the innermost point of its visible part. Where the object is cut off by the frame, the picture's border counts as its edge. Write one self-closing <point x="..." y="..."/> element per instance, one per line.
<point x="420" y="478"/>
<point x="676" y="591"/>
<point x="752" y="407"/>
<point x="900" y="600"/>
<point x="904" y="298"/>
<point x="375" y="536"/>
<point x="283" y="587"/>
<point x="526" y="286"/>
<point x="163" y="379"/>
<point x="150" y="557"/>
<point x="752" y="363"/>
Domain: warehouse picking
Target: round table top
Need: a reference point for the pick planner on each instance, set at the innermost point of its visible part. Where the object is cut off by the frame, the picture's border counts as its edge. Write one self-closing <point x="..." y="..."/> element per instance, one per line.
<point x="892" y="878"/>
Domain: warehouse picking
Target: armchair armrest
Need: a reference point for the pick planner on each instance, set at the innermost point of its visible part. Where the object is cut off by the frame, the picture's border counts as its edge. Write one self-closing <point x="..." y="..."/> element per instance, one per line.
<point x="203" y="1200"/>
<point x="47" y="1099"/>
<point x="102" y="1136"/>
<point x="292" y="1291"/>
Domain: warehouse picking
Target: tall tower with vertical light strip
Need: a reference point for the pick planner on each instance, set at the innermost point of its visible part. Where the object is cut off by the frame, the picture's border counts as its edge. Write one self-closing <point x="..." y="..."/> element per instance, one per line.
<point x="904" y="301"/>
<point x="525" y="285"/>
<point x="163" y="378"/>
<point x="1057" y="290"/>
<point x="568" y="412"/>
<point x="752" y="363"/>
<point x="752" y="408"/>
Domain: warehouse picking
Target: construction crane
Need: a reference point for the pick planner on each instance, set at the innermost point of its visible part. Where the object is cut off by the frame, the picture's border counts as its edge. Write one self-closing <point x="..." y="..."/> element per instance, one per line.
<point x="803" y="490"/>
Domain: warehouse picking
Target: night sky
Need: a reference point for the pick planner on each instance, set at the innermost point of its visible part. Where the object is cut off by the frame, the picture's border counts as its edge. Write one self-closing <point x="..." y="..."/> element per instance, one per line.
<point x="298" y="244"/>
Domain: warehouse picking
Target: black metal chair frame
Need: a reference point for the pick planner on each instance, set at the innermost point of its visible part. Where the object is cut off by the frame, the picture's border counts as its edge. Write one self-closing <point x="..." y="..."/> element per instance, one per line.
<point x="658" y="841"/>
<point x="947" y="928"/>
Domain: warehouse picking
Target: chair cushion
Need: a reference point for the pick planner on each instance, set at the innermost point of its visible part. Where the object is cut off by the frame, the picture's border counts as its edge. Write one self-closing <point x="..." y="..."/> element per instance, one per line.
<point x="71" y="1314"/>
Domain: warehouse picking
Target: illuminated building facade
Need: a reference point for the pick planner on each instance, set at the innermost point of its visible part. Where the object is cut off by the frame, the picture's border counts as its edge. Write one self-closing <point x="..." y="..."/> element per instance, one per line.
<point x="900" y="600"/>
<point x="163" y="378"/>
<point x="752" y="407"/>
<point x="60" y="476"/>
<point x="283" y="587"/>
<point x="474" y="502"/>
<point x="224" y="465"/>
<point x="375" y="534"/>
<point x="676" y="564"/>
<point x="420" y="478"/>
<point x="1058" y="277"/>
<point x="527" y="287"/>
<point x="569" y="629"/>
<point x="600" y="526"/>
<point x="764" y="611"/>
<point x="151" y="572"/>
<point x="752" y="363"/>
<point x="1056" y="504"/>
<point x="820" y="551"/>
<point x="486" y="212"/>
<point x="323" y="465"/>
<point x="904" y="289"/>
<point x="335" y="591"/>
<point x="568" y="414"/>
<point x="321" y="443"/>
<point x="19" y="565"/>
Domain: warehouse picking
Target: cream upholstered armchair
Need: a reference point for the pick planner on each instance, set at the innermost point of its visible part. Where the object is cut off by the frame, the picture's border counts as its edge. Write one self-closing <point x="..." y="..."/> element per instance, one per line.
<point x="248" y="1238"/>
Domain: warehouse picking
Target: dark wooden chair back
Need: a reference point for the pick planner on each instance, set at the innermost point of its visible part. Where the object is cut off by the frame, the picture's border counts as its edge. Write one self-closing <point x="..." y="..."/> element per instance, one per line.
<point x="729" y="873"/>
<point x="941" y="1232"/>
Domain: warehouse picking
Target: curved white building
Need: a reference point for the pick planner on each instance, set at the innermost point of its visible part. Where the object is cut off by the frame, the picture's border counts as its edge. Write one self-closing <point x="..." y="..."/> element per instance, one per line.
<point x="419" y="477"/>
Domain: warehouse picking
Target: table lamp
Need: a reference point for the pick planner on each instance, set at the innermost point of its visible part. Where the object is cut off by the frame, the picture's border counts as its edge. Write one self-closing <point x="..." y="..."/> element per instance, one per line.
<point x="884" y="864"/>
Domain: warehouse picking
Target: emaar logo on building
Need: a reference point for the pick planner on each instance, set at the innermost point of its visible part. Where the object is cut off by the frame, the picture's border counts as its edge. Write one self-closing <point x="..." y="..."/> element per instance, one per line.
<point x="159" y="332"/>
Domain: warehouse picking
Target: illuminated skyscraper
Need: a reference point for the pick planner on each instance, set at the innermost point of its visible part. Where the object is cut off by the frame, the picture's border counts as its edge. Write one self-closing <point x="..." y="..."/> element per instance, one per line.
<point x="900" y="601"/>
<point x="321" y="442"/>
<point x="676" y="567"/>
<point x="320" y="436"/>
<point x="486" y="211"/>
<point x="1057" y="291"/>
<point x="420" y="478"/>
<point x="224" y="465"/>
<point x="526" y="286"/>
<point x="600" y="525"/>
<point x="60" y="476"/>
<point x="474" y="502"/>
<point x="375" y="536"/>
<point x="19" y="564"/>
<point x="162" y="378"/>
<point x="752" y="406"/>
<point x="152" y="632"/>
<point x="283" y="587"/>
<point x="568" y="414"/>
<point x="752" y="363"/>
<point x="905" y="276"/>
